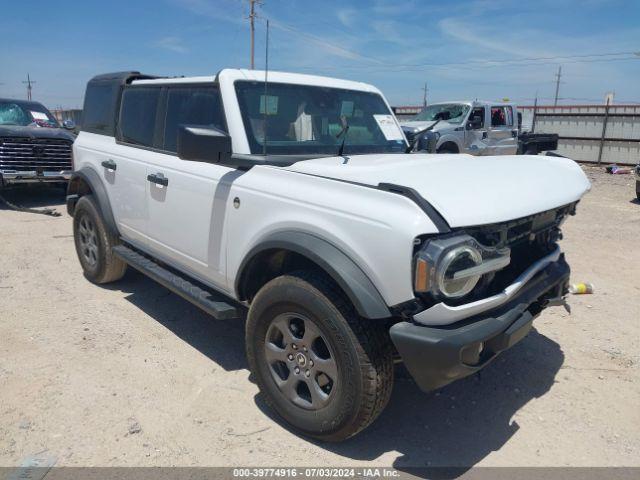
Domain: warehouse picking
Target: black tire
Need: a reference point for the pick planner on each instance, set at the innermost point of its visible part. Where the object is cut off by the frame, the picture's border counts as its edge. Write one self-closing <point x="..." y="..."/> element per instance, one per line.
<point x="94" y="244"/>
<point x="361" y="349"/>
<point x="447" y="149"/>
<point x="638" y="190"/>
<point x="531" y="151"/>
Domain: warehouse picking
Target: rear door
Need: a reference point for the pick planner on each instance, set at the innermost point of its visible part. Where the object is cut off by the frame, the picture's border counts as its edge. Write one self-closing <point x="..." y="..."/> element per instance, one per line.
<point x="187" y="215"/>
<point x="503" y="132"/>
<point x="125" y="170"/>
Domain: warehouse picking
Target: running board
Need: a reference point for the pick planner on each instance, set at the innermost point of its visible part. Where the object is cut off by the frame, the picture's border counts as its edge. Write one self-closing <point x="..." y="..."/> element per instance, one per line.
<point x="213" y="303"/>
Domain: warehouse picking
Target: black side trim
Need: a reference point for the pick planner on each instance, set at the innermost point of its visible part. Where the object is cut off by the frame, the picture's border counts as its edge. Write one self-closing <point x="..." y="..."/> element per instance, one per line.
<point x="353" y="281"/>
<point x="89" y="176"/>
<point x="437" y="219"/>
<point x="214" y="303"/>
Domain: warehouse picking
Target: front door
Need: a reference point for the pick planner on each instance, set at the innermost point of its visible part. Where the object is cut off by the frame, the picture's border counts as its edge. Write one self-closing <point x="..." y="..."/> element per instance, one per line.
<point x="188" y="199"/>
<point x="475" y="136"/>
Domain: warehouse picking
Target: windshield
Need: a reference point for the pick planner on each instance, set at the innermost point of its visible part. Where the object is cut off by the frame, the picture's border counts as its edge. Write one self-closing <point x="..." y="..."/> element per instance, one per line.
<point x="302" y="119"/>
<point x="451" y="112"/>
<point x="25" y="114"/>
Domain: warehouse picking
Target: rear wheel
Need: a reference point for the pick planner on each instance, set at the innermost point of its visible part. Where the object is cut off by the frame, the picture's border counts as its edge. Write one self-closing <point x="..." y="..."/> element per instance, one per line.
<point x="94" y="244"/>
<point x="638" y="189"/>
<point x="322" y="368"/>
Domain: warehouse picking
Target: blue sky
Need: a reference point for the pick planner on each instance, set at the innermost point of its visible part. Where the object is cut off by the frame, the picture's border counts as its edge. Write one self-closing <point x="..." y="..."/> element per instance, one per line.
<point x="396" y="45"/>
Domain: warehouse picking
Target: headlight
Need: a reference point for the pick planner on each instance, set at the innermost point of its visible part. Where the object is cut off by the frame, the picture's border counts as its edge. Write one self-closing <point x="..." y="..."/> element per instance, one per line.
<point x="458" y="259"/>
<point x="452" y="267"/>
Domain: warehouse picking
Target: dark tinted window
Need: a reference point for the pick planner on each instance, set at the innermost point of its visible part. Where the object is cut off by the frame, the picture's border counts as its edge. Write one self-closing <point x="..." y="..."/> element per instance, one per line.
<point x="138" y="115"/>
<point x="99" y="108"/>
<point x="191" y="106"/>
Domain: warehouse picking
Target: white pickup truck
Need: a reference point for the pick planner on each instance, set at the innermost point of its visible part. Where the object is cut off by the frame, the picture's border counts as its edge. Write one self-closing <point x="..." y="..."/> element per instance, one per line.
<point x="293" y="201"/>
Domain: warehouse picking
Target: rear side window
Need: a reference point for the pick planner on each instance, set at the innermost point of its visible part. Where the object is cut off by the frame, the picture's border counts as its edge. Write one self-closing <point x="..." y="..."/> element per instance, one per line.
<point x="191" y="106"/>
<point x="98" y="114"/>
<point x="501" y="116"/>
<point x="138" y="115"/>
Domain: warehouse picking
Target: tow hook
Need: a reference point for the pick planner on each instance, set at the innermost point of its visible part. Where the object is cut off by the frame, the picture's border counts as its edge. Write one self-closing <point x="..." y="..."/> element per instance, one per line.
<point x="559" y="302"/>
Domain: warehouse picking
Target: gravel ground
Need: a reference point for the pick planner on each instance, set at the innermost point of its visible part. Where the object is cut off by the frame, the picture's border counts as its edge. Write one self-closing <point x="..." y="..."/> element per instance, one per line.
<point x="130" y="374"/>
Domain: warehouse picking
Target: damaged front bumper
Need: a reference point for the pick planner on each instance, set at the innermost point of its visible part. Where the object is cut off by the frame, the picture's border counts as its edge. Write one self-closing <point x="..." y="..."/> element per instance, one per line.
<point x="33" y="176"/>
<point x="436" y="355"/>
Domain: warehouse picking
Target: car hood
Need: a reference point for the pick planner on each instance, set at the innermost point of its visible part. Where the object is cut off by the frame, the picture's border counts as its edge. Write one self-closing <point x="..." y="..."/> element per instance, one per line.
<point x="35" y="132"/>
<point x="417" y="124"/>
<point x="465" y="190"/>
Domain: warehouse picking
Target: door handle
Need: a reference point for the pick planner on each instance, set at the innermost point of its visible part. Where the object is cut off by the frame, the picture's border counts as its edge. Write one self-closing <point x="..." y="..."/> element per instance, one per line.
<point x="158" y="179"/>
<point x="109" y="164"/>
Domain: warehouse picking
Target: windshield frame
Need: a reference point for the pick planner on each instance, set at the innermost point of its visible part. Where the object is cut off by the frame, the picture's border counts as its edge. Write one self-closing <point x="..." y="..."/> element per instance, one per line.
<point x="298" y="148"/>
<point x="466" y="106"/>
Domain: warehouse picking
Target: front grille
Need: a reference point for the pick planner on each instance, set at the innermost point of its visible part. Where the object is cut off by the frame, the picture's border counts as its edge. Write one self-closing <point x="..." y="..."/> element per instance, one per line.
<point x="35" y="154"/>
<point x="529" y="239"/>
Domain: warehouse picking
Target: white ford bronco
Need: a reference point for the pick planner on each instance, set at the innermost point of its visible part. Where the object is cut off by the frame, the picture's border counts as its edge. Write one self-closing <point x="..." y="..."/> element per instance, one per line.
<point x="296" y="202"/>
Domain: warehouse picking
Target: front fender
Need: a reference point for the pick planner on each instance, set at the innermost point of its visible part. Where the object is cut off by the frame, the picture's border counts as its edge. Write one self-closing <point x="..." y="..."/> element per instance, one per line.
<point x="353" y="281"/>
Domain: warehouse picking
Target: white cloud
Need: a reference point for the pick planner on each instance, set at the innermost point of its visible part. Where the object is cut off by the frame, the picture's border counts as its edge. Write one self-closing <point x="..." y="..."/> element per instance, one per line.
<point x="173" y="44"/>
<point x="347" y="16"/>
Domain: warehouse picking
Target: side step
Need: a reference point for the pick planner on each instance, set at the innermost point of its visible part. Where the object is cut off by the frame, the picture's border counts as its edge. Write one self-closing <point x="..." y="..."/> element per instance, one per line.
<point x="214" y="304"/>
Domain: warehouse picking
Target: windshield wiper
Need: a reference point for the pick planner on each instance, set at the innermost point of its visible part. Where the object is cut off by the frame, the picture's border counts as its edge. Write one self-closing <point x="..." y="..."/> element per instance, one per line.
<point x="416" y="136"/>
<point x="343" y="133"/>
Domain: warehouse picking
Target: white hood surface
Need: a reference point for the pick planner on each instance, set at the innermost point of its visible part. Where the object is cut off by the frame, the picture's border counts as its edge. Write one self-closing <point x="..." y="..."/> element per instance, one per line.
<point x="464" y="189"/>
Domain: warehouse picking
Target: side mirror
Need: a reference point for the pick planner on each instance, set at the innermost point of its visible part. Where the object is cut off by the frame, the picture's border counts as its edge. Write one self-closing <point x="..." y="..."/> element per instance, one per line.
<point x="203" y="144"/>
<point x="69" y="124"/>
<point x="474" y="123"/>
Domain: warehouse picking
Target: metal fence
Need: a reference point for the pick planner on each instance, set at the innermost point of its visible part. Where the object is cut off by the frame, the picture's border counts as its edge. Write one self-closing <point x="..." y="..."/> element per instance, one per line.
<point x="590" y="133"/>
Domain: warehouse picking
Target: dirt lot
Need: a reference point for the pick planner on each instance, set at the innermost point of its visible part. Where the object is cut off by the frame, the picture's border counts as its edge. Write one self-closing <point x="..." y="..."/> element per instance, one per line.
<point x="130" y="374"/>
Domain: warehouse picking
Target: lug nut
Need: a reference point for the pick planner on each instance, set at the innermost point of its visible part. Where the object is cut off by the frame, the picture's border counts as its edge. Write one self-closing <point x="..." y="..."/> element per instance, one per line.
<point x="307" y="373"/>
<point x="294" y="346"/>
<point x="297" y="370"/>
<point x="304" y="349"/>
<point x="311" y="362"/>
<point x="290" y="357"/>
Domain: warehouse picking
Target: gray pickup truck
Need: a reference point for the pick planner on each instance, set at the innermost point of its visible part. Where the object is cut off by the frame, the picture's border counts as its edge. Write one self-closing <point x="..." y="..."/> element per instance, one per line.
<point x="477" y="128"/>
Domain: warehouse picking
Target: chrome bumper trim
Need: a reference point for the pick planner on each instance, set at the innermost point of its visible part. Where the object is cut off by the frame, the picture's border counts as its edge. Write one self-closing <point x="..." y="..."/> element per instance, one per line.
<point x="442" y="314"/>
<point x="11" y="176"/>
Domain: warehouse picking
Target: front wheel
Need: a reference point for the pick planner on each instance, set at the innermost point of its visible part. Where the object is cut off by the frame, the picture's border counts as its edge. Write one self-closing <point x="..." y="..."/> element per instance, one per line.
<point x="322" y="368"/>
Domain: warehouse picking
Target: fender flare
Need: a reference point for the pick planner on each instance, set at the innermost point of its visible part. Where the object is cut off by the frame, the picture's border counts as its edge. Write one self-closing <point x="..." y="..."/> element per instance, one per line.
<point x="345" y="272"/>
<point x="99" y="192"/>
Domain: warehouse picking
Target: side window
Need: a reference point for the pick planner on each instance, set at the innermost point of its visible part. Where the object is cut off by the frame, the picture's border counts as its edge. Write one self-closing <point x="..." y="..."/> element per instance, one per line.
<point x="138" y="115"/>
<point x="191" y="106"/>
<point x="501" y="116"/>
<point x="98" y="114"/>
<point x="477" y="117"/>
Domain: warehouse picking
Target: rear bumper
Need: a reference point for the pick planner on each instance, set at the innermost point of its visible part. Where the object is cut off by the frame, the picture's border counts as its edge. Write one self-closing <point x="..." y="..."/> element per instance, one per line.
<point x="33" y="176"/>
<point x="436" y="356"/>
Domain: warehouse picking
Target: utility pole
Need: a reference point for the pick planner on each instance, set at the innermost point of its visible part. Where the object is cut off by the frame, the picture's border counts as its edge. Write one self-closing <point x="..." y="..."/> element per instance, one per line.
<point x="558" y="75"/>
<point x="28" y="83"/>
<point x="424" y="95"/>
<point x="252" y="16"/>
